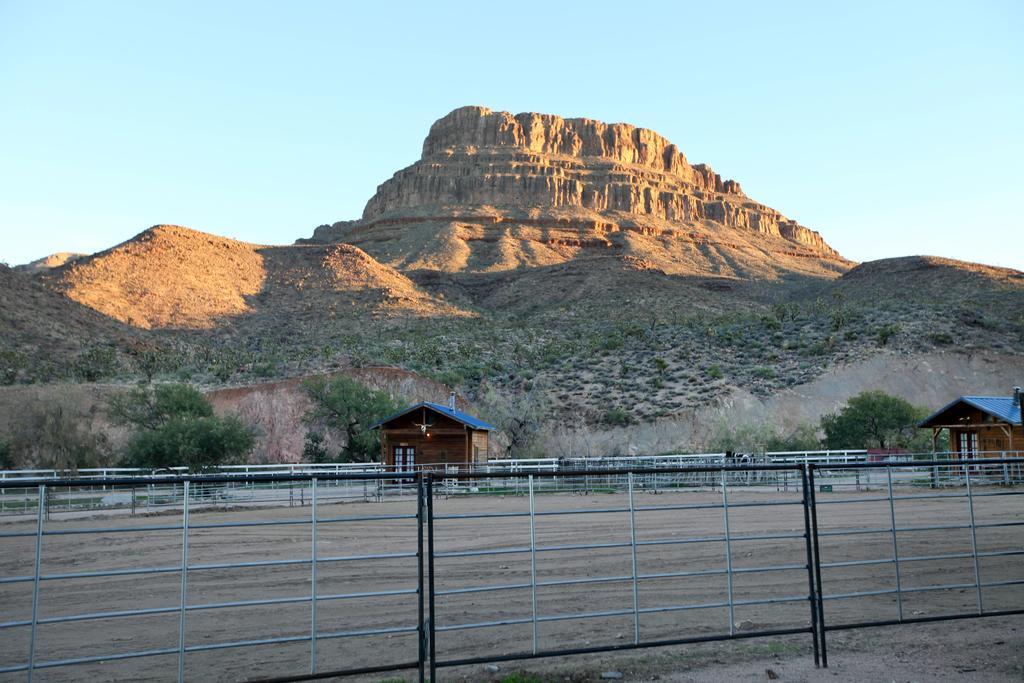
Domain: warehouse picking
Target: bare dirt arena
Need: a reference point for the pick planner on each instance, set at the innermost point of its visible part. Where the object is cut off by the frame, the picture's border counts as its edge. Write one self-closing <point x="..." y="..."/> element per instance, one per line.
<point x="980" y="649"/>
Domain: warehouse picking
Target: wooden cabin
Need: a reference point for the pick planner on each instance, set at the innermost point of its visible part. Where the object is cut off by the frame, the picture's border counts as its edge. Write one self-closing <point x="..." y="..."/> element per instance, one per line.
<point x="984" y="426"/>
<point x="432" y="434"/>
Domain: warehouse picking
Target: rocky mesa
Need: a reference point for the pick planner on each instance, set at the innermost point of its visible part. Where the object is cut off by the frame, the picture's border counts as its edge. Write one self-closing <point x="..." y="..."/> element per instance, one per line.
<point x="494" y="191"/>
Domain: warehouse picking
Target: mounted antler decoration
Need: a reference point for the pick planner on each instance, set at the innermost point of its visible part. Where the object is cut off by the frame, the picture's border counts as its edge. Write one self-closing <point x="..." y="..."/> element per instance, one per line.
<point x="426" y="424"/>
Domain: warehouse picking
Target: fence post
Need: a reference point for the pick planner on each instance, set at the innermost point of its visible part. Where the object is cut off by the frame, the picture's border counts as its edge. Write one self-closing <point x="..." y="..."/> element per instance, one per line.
<point x="35" y="581"/>
<point x="728" y="554"/>
<point x="632" y="542"/>
<point x="974" y="541"/>
<point x="421" y="507"/>
<point x="431" y="626"/>
<point x="817" y="566"/>
<point x="312" y="578"/>
<point x="812" y="595"/>
<point x="184" y="585"/>
<point x="895" y="546"/>
<point x="533" y="562"/>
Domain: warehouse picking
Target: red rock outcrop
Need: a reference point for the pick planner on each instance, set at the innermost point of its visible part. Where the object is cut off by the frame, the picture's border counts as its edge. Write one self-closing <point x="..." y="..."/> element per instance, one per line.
<point x="495" y="191"/>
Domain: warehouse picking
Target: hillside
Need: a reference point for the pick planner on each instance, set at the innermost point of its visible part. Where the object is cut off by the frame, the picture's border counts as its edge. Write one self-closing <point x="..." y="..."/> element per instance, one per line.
<point x="173" y="277"/>
<point x="587" y="266"/>
<point x="43" y="335"/>
<point x="48" y="262"/>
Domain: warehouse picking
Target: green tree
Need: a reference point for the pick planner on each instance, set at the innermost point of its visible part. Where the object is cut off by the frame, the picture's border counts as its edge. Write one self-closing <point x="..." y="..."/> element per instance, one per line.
<point x="53" y="436"/>
<point x="762" y="437"/>
<point x="313" y="449"/>
<point x="193" y="442"/>
<point x="872" y="419"/>
<point x="174" y="426"/>
<point x="150" y="407"/>
<point x="348" y="407"/>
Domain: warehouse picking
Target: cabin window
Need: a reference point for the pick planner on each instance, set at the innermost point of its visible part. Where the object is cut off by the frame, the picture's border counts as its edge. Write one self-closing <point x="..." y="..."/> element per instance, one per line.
<point x="968" y="443"/>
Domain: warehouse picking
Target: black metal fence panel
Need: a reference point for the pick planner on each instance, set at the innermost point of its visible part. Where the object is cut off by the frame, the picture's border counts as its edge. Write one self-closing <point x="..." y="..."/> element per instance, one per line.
<point x="356" y="573"/>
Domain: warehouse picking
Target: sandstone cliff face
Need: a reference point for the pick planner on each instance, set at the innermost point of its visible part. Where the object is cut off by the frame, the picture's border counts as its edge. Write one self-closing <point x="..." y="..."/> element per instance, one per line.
<point x="556" y="189"/>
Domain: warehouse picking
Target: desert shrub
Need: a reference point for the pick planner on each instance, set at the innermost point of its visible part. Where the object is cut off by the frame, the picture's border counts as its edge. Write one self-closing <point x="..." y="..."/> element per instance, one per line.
<point x="715" y="372"/>
<point x="942" y="338"/>
<point x="617" y="417"/>
<point x="95" y="364"/>
<point x="12" y="365"/>
<point x="149" y="360"/>
<point x="838" y="318"/>
<point x="886" y="333"/>
<point x="266" y="369"/>
<point x="764" y="372"/>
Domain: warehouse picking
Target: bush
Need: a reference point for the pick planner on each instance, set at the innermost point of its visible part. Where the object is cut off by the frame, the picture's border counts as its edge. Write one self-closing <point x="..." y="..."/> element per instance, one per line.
<point x="51" y="436"/>
<point x="175" y="426"/>
<point x="617" y="417"/>
<point x="193" y="442"/>
<point x="715" y="372"/>
<point x="95" y="364"/>
<point x="885" y="333"/>
<point x="872" y="419"/>
<point x="761" y="437"/>
<point x="313" y="449"/>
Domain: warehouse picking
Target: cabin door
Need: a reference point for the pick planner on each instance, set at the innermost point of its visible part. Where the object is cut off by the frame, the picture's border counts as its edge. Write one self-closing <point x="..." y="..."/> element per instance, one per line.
<point x="405" y="458"/>
<point x="968" y="444"/>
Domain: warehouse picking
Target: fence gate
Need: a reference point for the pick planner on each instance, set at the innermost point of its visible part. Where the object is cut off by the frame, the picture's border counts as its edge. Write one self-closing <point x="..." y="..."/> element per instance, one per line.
<point x="478" y="567"/>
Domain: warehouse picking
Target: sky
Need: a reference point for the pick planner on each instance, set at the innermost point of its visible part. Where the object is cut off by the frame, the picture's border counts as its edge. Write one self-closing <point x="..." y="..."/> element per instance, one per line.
<point x="891" y="128"/>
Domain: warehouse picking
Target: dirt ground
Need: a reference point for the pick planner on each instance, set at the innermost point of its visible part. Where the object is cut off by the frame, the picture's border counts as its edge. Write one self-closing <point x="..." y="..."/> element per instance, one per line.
<point x="985" y="649"/>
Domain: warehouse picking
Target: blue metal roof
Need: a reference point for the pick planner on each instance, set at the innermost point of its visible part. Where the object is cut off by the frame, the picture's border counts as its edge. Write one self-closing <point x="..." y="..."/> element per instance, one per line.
<point x="457" y="415"/>
<point x="1000" y="407"/>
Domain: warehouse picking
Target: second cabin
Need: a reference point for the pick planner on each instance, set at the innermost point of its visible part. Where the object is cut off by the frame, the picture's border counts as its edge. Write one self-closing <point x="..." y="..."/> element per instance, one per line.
<point x="432" y="434"/>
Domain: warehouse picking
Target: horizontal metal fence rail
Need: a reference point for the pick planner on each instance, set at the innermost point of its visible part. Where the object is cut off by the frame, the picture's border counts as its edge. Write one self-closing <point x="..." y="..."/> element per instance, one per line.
<point x="720" y="475"/>
<point x="874" y="483"/>
<point x="1005" y="472"/>
<point x="579" y="475"/>
<point x="187" y="568"/>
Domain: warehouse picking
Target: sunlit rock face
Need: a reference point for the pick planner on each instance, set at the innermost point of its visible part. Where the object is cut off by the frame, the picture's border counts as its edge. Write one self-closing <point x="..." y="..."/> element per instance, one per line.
<point x="496" y="191"/>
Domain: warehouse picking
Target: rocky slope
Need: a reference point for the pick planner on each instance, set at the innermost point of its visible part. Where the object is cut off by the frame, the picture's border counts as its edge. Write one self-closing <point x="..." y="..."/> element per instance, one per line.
<point x="42" y="334"/>
<point x="49" y="262"/>
<point x="495" y="192"/>
<point x="173" y="277"/>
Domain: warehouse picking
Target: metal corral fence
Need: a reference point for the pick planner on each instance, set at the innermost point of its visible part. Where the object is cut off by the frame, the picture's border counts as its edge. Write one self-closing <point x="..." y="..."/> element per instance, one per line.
<point x="570" y="475"/>
<point x="959" y="559"/>
<point x="448" y="577"/>
<point x="161" y="491"/>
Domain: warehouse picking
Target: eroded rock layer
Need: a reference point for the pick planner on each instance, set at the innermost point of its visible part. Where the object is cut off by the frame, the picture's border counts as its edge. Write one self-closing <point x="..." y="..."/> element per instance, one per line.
<point x="496" y="191"/>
